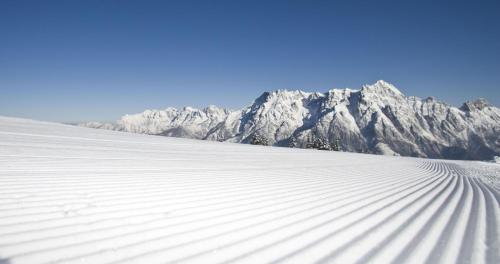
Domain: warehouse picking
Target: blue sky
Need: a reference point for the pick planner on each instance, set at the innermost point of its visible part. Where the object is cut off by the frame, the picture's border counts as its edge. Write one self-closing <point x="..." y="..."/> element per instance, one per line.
<point x="97" y="60"/>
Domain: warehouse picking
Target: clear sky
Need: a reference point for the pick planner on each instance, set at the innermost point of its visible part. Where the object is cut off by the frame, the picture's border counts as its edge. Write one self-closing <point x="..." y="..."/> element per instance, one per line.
<point x="97" y="60"/>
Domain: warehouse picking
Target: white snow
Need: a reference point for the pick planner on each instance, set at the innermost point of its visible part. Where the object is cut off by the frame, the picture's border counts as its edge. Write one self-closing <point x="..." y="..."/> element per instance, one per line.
<point x="78" y="195"/>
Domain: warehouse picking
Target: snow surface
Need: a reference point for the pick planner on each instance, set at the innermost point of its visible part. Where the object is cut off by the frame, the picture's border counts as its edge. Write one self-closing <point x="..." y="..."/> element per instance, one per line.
<point x="78" y="195"/>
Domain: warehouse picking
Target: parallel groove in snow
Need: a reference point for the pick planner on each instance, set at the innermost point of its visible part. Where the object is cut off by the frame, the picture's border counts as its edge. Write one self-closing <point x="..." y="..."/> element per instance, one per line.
<point x="76" y="195"/>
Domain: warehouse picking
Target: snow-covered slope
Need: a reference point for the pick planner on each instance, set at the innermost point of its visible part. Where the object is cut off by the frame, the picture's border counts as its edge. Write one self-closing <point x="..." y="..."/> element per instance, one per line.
<point x="377" y="118"/>
<point x="77" y="195"/>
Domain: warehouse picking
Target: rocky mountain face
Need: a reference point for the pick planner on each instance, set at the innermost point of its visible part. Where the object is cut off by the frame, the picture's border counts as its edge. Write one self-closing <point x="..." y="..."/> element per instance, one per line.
<point x="377" y="119"/>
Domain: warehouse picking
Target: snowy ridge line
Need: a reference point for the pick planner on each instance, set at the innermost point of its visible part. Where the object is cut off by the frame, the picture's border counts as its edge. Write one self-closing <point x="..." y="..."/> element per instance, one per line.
<point x="377" y="118"/>
<point x="185" y="201"/>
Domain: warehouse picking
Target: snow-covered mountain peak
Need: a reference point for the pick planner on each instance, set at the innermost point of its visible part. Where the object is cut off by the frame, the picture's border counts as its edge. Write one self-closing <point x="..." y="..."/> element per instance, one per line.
<point x="279" y="97"/>
<point x="212" y="108"/>
<point x="478" y="104"/>
<point x="171" y="109"/>
<point x="378" y="118"/>
<point x="285" y="93"/>
<point x="381" y="87"/>
<point x="189" y="108"/>
<point x="341" y="92"/>
<point x="430" y="99"/>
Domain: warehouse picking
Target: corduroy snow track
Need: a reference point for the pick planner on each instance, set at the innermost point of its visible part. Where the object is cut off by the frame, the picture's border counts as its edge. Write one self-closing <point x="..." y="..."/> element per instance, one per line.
<point x="77" y="195"/>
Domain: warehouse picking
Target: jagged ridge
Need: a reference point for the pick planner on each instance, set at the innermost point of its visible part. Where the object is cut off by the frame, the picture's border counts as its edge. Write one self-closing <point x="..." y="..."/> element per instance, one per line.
<point x="377" y="118"/>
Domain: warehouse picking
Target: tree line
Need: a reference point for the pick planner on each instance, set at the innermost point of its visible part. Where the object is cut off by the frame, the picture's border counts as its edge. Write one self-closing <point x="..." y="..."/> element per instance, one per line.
<point x="319" y="143"/>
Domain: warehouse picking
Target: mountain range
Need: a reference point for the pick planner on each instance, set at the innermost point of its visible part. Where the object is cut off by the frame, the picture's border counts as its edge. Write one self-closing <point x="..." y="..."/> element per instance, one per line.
<point x="377" y="118"/>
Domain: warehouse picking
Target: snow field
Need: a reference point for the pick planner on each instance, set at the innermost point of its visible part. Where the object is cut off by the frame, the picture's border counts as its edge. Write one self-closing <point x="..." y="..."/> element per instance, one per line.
<point x="78" y="195"/>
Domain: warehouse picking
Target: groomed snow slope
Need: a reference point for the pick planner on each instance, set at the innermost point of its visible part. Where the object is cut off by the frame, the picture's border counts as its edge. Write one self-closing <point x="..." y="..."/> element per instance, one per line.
<point x="78" y="195"/>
